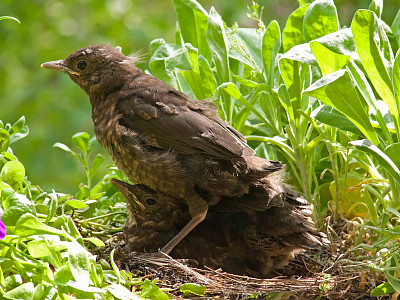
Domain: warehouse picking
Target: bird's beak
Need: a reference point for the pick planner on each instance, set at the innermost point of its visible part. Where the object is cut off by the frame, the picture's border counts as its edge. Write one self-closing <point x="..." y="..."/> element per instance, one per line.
<point x="58" y="65"/>
<point x="125" y="189"/>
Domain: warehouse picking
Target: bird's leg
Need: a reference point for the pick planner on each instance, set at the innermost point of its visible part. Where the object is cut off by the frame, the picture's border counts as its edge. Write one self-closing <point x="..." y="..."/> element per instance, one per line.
<point x="198" y="208"/>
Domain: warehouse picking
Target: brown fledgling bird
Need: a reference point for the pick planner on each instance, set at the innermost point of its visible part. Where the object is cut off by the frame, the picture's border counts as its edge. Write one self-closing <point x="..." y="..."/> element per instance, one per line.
<point x="244" y="242"/>
<point x="163" y="139"/>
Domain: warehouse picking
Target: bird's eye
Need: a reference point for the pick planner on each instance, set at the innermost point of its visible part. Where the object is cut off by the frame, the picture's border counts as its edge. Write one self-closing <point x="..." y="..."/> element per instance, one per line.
<point x="81" y="65"/>
<point x="150" y="201"/>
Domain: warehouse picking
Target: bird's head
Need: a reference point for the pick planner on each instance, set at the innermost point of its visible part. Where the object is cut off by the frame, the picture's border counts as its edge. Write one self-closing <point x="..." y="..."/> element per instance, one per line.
<point x="147" y="206"/>
<point x="94" y="67"/>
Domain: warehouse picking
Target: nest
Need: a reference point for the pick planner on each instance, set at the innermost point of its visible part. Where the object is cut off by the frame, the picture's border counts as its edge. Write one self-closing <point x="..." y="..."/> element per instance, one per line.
<point x="327" y="274"/>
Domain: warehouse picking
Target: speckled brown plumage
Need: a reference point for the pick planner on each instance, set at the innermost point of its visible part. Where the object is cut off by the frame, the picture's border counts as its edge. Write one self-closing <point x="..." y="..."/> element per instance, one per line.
<point x="161" y="138"/>
<point x="245" y="242"/>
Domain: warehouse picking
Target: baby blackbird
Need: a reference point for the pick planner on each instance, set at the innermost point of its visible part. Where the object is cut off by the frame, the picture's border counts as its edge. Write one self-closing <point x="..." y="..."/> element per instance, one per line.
<point x="163" y="139"/>
<point x="245" y="242"/>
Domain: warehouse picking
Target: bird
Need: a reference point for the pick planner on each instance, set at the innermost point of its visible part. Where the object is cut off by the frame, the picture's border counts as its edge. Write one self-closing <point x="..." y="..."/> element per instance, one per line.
<point x="162" y="138"/>
<point x="239" y="241"/>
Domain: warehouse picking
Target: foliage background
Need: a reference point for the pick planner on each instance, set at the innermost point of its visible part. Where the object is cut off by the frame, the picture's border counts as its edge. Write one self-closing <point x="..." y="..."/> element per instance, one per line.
<point x="54" y="107"/>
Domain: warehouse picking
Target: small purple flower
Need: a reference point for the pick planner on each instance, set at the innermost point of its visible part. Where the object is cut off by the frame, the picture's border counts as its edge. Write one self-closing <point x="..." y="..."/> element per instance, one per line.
<point x="2" y="230"/>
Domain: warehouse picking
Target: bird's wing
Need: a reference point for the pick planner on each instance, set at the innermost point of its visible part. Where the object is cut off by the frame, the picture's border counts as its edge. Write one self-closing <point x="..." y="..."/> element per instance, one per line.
<point x="169" y="119"/>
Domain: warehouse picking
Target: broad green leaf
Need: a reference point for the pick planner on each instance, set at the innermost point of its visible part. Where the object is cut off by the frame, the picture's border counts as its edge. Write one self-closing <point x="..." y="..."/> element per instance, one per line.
<point x="207" y="78"/>
<point x="29" y="225"/>
<point x="365" y="89"/>
<point x="166" y="58"/>
<point x="151" y="291"/>
<point x="95" y="241"/>
<point x="17" y="126"/>
<point x="63" y="275"/>
<point x="383" y="160"/>
<point x="38" y="248"/>
<point x="271" y="44"/>
<point x="218" y="43"/>
<point x="4" y="139"/>
<point x="376" y="6"/>
<point x="81" y="140"/>
<point x="338" y="90"/>
<point x="328" y="115"/>
<point x="376" y="55"/>
<point x="320" y="19"/>
<point x="97" y="161"/>
<point x="121" y="292"/>
<point x="396" y="26"/>
<point x="43" y="291"/>
<point x="76" y="204"/>
<point x="253" y="41"/>
<point x="24" y="291"/>
<point x="67" y="149"/>
<point x="290" y="67"/>
<point x="396" y="80"/>
<point x="340" y="42"/>
<point x="382" y="289"/>
<point x="394" y="281"/>
<point x="292" y="34"/>
<point x="328" y="60"/>
<point x="192" y="288"/>
<point x="13" y="173"/>
<point x="23" y="132"/>
<point x="193" y="21"/>
<point x="15" y="205"/>
<point x="79" y="263"/>
<point x="393" y="151"/>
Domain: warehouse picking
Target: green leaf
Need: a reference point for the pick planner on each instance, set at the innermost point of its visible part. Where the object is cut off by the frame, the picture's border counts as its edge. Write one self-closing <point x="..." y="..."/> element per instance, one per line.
<point x="208" y="82"/>
<point x="17" y="126"/>
<point x="328" y="115"/>
<point x="81" y="140"/>
<point x="38" y="249"/>
<point x="192" y="288"/>
<point x="394" y="281"/>
<point x="193" y="21"/>
<point x="320" y="19"/>
<point x="253" y="41"/>
<point x="338" y="90"/>
<point x="382" y="289"/>
<point x="76" y="204"/>
<point x="218" y="43"/>
<point x="97" y="161"/>
<point x="24" y="291"/>
<point x="95" y="241"/>
<point x="23" y="132"/>
<point x="292" y="34"/>
<point x="15" y="205"/>
<point x="340" y="42"/>
<point x="79" y="263"/>
<point x="151" y="291"/>
<point x="9" y="18"/>
<point x="4" y="139"/>
<point x="29" y="225"/>
<point x="376" y="6"/>
<point x="328" y="60"/>
<point x="396" y="26"/>
<point x="166" y="58"/>
<point x="393" y="151"/>
<point x="383" y="160"/>
<point x="396" y="80"/>
<point x="121" y="292"/>
<point x="67" y="149"/>
<point x="63" y="275"/>
<point x="13" y="173"/>
<point x="271" y="44"/>
<point x="376" y="55"/>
